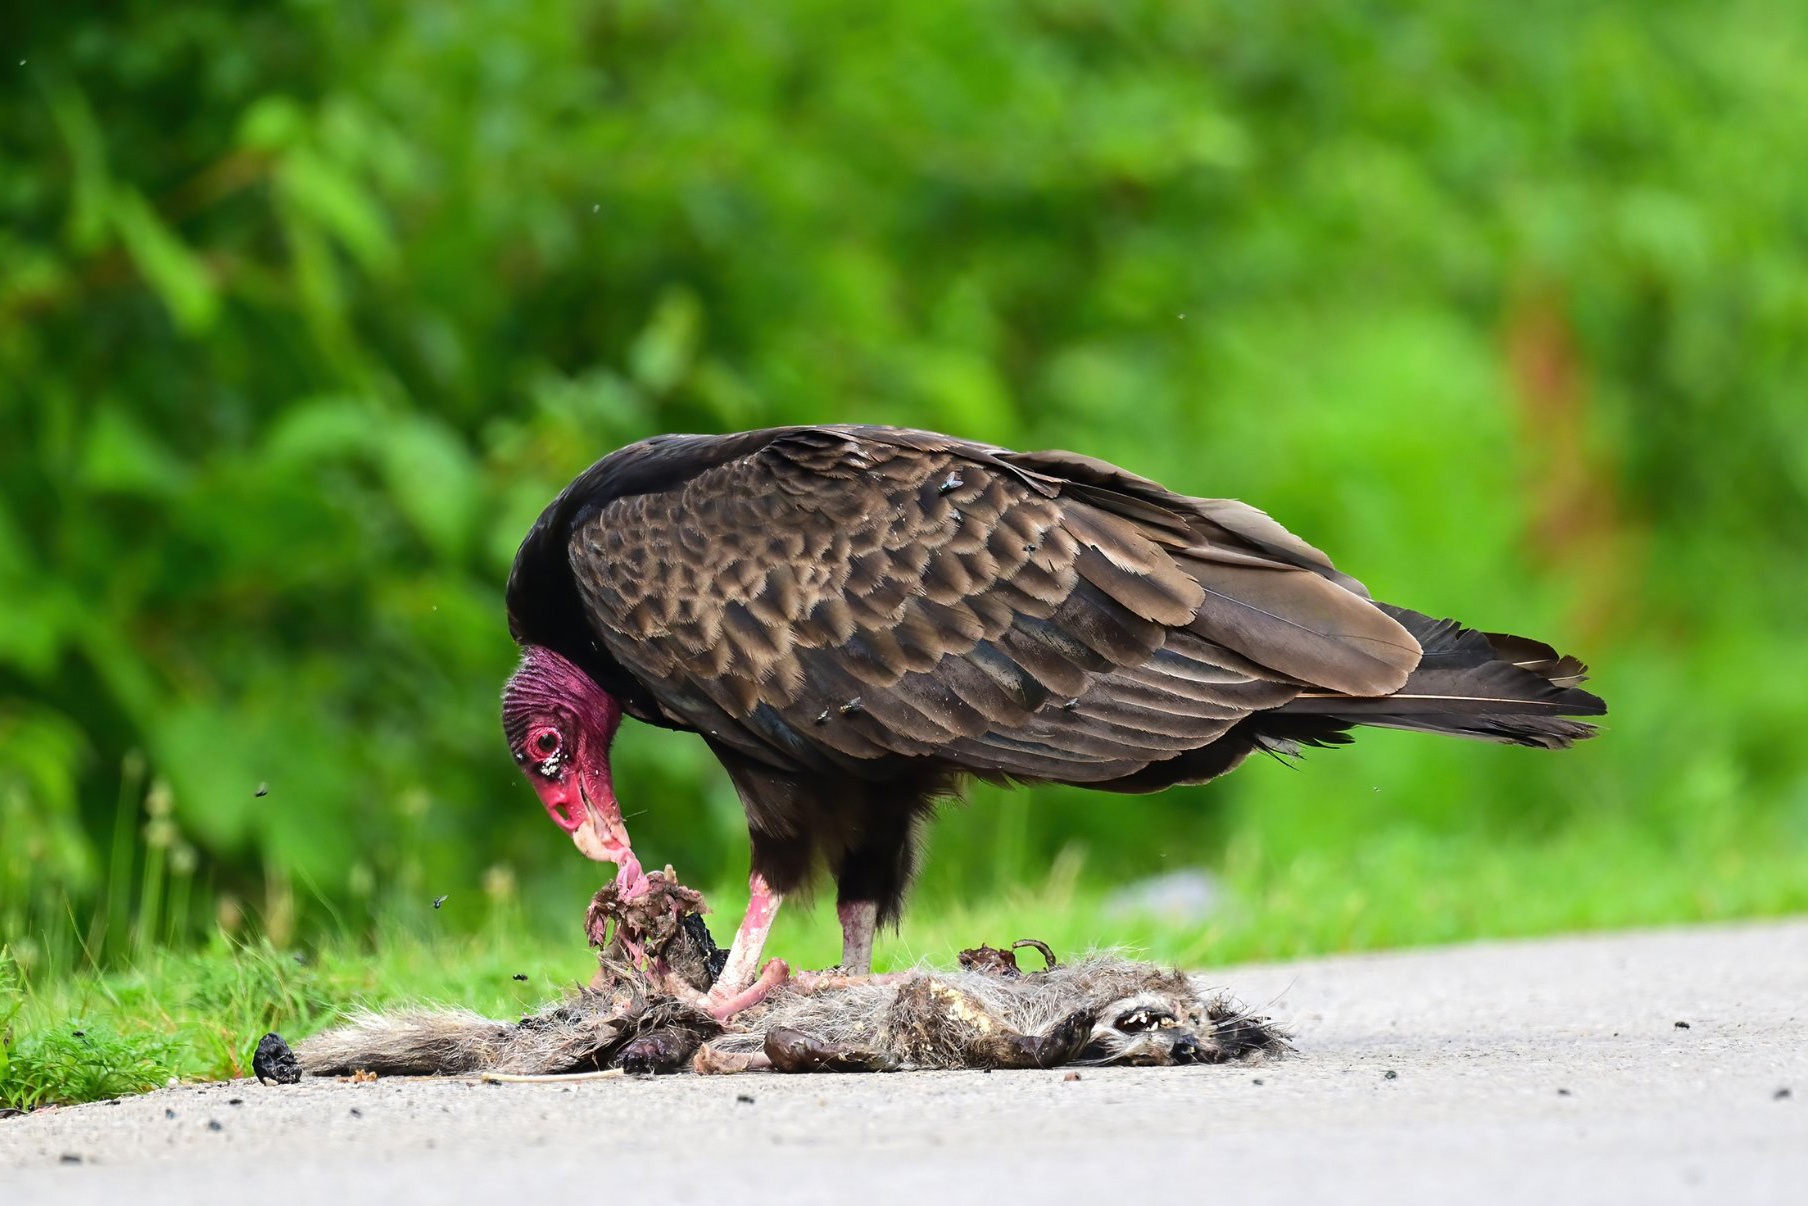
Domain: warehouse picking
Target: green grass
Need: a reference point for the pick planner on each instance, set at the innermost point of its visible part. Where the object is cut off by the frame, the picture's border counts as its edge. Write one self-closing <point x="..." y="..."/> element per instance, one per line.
<point x="75" y="1034"/>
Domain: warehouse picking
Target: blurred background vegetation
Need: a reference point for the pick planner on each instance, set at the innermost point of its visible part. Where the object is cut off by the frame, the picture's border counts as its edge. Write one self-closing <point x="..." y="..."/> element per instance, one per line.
<point x="306" y="310"/>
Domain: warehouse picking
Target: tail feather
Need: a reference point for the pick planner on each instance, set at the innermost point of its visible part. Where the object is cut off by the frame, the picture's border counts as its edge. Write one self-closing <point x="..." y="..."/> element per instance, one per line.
<point x="1538" y="657"/>
<point x="1492" y="686"/>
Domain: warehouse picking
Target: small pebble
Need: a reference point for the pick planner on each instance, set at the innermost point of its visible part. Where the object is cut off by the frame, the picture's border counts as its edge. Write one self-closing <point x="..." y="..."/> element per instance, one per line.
<point x="1682" y="1025"/>
<point x="69" y="1158"/>
<point x="1563" y="1092"/>
<point x="1256" y="1081"/>
<point x="357" y="1113"/>
<point x="235" y="1101"/>
<point x="168" y="1113"/>
<point x="1071" y="1076"/>
<point x="1781" y="1095"/>
<point x="744" y="1098"/>
<point x="213" y="1124"/>
<point x="1390" y="1074"/>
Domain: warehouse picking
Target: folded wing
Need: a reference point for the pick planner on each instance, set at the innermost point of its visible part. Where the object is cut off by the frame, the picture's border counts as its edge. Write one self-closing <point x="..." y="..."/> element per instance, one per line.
<point x="842" y="597"/>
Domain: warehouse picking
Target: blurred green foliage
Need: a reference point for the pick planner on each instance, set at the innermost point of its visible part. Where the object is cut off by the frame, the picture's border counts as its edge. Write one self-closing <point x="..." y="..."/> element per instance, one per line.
<point x="306" y="309"/>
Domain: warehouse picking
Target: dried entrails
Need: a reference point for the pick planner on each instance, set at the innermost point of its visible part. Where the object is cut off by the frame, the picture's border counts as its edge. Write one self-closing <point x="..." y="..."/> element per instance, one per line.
<point x="653" y="929"/>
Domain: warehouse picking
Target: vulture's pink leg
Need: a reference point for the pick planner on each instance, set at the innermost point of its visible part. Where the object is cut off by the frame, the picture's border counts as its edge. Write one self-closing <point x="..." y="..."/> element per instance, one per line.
<point x="738" y="986"/>
<point x="858" y="920"/>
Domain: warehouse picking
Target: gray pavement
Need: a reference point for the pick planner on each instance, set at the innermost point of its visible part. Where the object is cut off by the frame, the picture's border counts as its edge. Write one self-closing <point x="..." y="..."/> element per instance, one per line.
<point x="1551" y="1071"/>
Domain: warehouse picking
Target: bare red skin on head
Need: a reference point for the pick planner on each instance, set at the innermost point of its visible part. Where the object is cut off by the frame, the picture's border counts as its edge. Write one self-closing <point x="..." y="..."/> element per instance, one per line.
<point x="559" y="726"/>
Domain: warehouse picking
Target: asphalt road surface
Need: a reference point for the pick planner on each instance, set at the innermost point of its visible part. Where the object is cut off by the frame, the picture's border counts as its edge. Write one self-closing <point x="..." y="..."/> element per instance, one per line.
<point x="1645" y="1068"/>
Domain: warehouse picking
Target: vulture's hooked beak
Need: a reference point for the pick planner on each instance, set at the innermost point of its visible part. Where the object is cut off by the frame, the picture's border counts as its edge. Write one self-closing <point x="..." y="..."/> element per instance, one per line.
<point x="594" y="821"/>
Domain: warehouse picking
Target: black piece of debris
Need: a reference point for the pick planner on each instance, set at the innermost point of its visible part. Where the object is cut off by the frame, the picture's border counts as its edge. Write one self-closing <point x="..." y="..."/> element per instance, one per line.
<point x="274" y="1063"/>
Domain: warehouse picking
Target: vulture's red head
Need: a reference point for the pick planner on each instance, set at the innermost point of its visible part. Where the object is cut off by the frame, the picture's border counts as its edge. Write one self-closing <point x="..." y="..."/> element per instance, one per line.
<point x="559" y="724"/>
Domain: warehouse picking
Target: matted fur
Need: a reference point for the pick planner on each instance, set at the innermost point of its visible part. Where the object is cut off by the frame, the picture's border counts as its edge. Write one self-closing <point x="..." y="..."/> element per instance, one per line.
<point x="584" y="1032"/>
<point x="1106" y="1008"/>
<point x="938" y="1019"/>
<point x="416" y="1040"/>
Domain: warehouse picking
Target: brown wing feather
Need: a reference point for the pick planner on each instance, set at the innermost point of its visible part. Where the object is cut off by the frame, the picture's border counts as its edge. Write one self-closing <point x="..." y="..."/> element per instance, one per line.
<point x="842" y="595"/>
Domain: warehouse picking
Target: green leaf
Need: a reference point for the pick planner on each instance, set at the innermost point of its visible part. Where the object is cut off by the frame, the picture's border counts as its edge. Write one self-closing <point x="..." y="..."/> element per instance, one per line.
<point x="176" y="273"/>
<point x="271" y="123"/>
<point x="40" y="610"/>
<point x="330" y="197"/>
<point x="662" y="352"/>
<point x="433" y="480"/>
<point x="92" y="189"/>
<point x="42" y="757"/>
<point x="209" y="753"/>
<point x="326" y="428"/>
<point x="122" y="456"/>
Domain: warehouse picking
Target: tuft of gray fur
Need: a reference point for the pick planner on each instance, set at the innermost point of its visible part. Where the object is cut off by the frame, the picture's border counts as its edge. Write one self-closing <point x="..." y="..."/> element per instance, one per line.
<point x="419" y="1039"/>
<point x="585" y="1032"/>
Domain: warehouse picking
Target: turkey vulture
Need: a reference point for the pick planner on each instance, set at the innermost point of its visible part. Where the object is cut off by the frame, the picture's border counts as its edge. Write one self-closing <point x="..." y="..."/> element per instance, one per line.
<point x="855" y="618"/>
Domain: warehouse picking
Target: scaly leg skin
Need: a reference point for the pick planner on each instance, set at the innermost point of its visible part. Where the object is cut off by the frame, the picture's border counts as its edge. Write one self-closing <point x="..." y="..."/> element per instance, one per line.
<point x="858" y="920"/>
<point x="738" y="987"/>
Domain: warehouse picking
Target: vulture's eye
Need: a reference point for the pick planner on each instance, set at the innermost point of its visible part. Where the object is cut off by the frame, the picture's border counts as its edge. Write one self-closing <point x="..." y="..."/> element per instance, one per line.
<point x="546" y="743"/>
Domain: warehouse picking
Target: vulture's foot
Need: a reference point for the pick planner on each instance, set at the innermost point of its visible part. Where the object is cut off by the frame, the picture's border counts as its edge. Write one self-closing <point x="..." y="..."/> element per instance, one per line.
<point x="737" y="986"/>
<point x="725" y="1000"/>
<point x="806" y="982"/>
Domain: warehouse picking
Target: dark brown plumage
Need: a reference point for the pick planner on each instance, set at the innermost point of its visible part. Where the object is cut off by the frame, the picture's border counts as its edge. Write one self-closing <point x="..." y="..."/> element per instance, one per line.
<point x="855" y="617"/>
